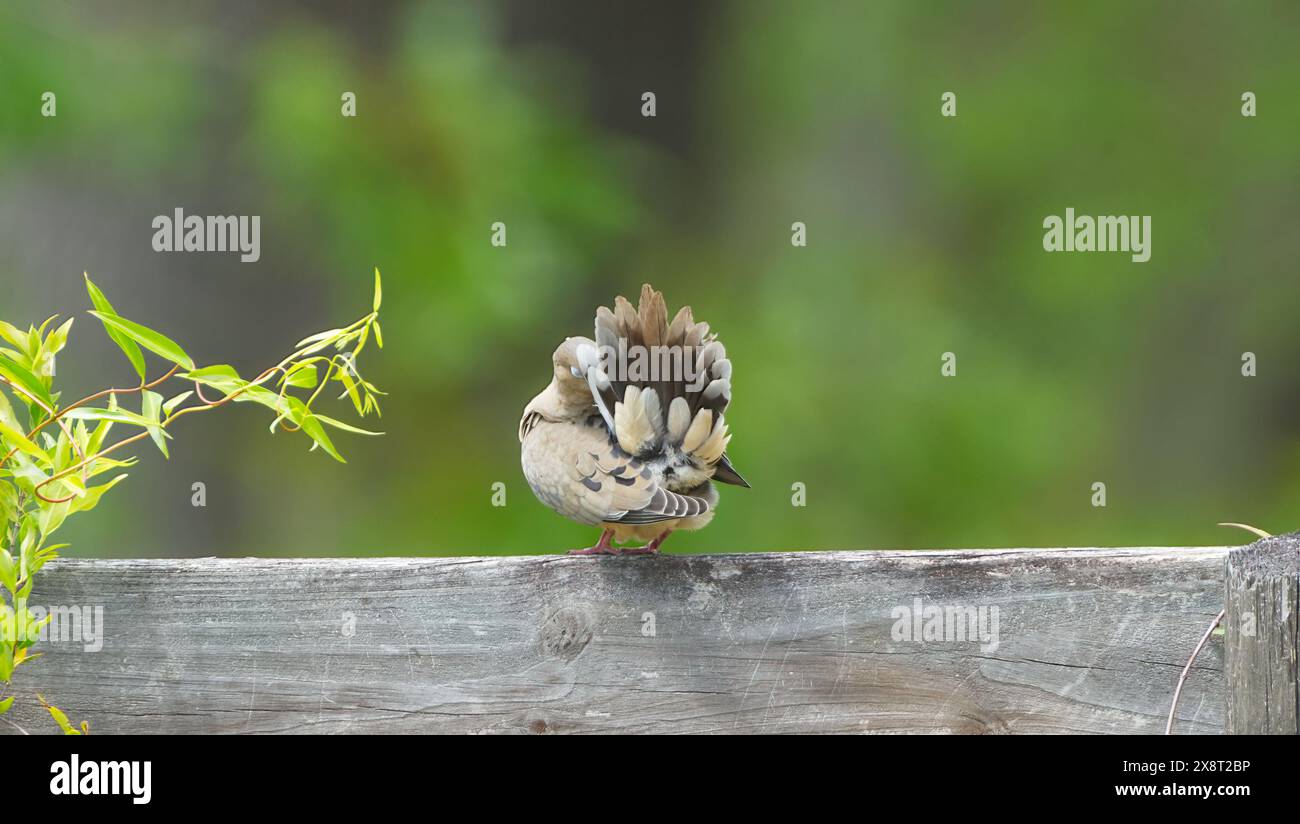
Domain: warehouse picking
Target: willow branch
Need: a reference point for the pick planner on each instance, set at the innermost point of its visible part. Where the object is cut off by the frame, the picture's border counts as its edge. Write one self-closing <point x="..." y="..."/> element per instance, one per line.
<point x="72" y="440"/>
<point x="207" y="405"/>
<point x="204" y="404"/>
<point x="55" y="417"/>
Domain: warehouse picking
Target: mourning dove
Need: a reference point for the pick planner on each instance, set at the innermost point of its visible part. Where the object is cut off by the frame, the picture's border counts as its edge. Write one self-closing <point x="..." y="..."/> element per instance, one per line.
<point x="630" y="434"/>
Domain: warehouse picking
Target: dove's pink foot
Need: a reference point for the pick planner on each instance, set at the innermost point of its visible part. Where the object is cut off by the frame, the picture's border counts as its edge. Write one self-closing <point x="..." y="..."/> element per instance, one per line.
<point x="602" y="547"/>
<point x="648" y="549"/>
<point x="658" y="542"/>
<point x="651" y="548"/>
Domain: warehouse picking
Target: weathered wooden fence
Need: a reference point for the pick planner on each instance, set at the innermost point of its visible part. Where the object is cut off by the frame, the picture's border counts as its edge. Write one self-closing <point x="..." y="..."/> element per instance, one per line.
<point x="1059" y="640"/>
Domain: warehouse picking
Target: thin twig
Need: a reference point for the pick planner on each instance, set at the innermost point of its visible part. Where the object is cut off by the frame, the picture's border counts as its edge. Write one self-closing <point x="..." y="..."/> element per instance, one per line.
<point x="15" y="726"/>
<point x="1169" y="726"/>
<point x="1252" y="529"/>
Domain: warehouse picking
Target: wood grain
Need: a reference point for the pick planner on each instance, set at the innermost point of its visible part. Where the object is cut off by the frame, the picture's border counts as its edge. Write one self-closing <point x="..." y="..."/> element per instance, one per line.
<point x="1089" y="641"/>
<point x="1261" y="631"/>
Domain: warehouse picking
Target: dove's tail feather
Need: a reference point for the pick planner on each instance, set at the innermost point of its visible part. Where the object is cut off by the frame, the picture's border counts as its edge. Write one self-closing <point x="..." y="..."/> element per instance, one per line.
<point x="677" y="398"/>
<point x="666" y="506"/>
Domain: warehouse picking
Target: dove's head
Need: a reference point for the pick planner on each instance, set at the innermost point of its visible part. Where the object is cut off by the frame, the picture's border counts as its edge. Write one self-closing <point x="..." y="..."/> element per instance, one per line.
<point x="570" y="363"/>
<point x="569" y="396"/>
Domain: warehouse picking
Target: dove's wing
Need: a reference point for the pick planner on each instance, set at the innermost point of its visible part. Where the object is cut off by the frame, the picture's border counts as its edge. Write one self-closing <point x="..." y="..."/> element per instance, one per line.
<point x="577" y="471"/>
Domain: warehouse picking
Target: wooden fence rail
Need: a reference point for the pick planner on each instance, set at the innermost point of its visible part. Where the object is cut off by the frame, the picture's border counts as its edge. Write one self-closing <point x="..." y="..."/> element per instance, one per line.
<point x="1060" y="640"/>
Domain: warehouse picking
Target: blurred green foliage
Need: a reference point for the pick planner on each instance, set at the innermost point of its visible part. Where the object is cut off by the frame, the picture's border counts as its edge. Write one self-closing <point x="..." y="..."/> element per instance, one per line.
<point x="924" y="237"/>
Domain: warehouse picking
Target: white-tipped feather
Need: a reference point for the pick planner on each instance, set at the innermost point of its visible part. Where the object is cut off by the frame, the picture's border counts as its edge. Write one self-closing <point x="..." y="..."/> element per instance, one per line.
<point x="632" y="426"/>
<point x="711" y="354"/>
<point x="698" y="431"/>
<point x="711" y="450"/>
<point x="653" y="410"/>
<point x="696" y="334"/>
<point x="679" y="418"/>
<point x="599" y="382"/>
<point x="718" y="388"/>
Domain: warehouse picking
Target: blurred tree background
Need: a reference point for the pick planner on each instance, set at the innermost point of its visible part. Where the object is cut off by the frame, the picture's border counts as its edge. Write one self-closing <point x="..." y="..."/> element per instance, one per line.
<point x="925" y="236"/>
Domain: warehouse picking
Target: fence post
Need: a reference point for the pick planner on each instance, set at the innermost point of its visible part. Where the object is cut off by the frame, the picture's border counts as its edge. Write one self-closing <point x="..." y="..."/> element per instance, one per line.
<point x="1260" y="637"/>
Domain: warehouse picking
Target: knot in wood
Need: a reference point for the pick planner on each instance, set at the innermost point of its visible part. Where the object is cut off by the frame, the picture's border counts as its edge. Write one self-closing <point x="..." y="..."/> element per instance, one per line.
<point x="565" y="633"/>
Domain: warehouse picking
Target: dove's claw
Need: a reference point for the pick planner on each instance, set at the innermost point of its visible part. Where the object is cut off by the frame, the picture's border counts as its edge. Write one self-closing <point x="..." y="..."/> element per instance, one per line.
<point x="602" y="547"/>
<point x="595" y="550"/>
<point x="648" y="549"/>
<point x="651" y="548"/>
<point x="654" y="545"/>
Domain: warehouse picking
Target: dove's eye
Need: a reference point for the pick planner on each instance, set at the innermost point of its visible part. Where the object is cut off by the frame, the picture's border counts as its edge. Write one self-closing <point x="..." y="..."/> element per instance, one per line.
<point x="575" y="371"/>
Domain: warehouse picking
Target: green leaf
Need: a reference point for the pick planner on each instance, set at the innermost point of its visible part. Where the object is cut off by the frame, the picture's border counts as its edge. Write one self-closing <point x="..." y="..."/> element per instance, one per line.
<point x="90" y="500"/>
<point x="303" y="376"/>
<point x="127" y="345"/>
<point x="43" y="556"/>
<point x="8" y="570"/>
<point x="316" y="338"/>
<point x="33" y="344"/>
<point x="6" y="704"/>
<point x="218" y="375"/>
<point x="26" y="474"/>
<point x="379" y="290"/>
<point x="317" y="433"/>
<point x="7" y="411"/>
<point x="99" y="465"/>
<point x="349" y="387"/>
<point x="52" y="516"/>
<point x="59" y="717"/>
<point x="40" y="334"/>
<point x="62" y="451"/>
<point x="170" y="406"/>
<point x="58" y="338"/>
<point x="346" y="427"/>
<point x="288" y="405"/>
<point x="221" y="377"/>
<point x="155" y="342"/>
<point x="29" y="383"/>
<point x="8" y="504"/>
<point x="73" y="482"/>
<point x="151" y="409"/>
<point x="14" y="335"/>
<point x="90" y="413"/>
<point x="97" y="438"/>
<point x="16" y="438"/>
